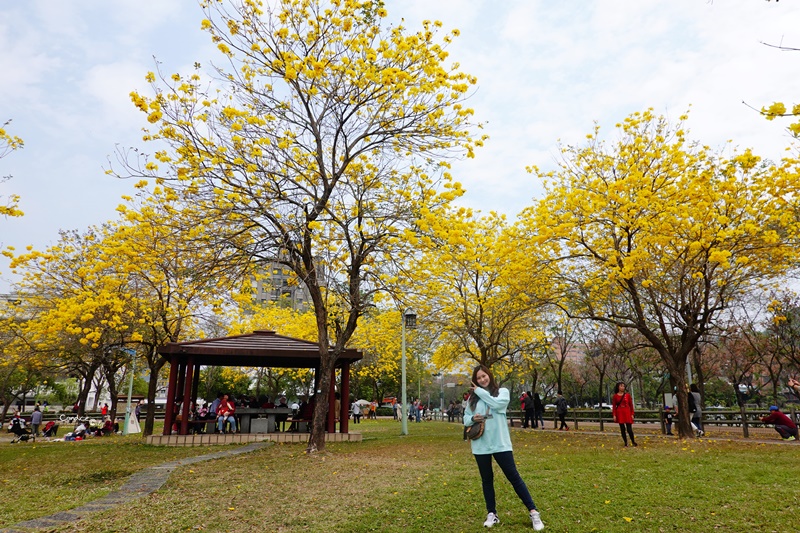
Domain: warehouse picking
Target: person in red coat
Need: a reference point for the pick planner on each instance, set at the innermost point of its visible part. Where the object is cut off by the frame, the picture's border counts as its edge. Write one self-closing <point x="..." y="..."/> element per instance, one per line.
<point x="226" y="412"/>
<point x="622" y="410"/>
<point x="783" y="424"/>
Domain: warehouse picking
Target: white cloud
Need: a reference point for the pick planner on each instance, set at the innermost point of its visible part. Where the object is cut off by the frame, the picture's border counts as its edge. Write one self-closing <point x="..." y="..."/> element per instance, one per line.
<point x="546" y="70"/>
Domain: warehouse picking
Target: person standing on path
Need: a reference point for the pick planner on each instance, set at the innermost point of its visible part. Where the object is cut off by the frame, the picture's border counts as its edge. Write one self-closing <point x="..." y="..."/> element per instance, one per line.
<point x="668" y="419"/>
<point x="488" y="402"/>
<point x="561" y="410"/>
<point x="622" y="411"/>
<point x="696" y="407"/>
<point x="527" y="405"/>
<point x="356" y="410"/>
<point x="538" y="411"/>
<point x="36" y="420"/>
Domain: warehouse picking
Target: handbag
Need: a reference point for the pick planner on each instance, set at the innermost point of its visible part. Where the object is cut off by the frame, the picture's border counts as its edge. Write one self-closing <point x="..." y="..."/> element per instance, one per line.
<point x="475" y="431"/>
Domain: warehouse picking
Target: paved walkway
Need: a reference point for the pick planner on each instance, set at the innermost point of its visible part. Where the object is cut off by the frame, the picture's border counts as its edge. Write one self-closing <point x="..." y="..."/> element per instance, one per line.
<point x="138" y="485"/>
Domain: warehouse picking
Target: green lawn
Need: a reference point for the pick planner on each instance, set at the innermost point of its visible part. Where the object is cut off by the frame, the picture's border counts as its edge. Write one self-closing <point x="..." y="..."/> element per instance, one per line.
<point x="426" y="481"/>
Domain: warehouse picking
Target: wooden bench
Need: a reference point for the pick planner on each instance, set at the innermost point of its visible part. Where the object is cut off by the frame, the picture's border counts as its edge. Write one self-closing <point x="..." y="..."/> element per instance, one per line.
<point x="303" y="425"/>
<point x="197" y="425"/>
<point x="515" y="415"/>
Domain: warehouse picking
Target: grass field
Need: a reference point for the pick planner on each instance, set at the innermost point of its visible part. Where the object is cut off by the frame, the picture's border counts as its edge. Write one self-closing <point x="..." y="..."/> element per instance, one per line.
<point x="426" y="481"/>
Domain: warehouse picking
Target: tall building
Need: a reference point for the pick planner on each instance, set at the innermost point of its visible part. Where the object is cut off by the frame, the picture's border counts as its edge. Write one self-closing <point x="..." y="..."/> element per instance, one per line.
<point x="279" y="284"/>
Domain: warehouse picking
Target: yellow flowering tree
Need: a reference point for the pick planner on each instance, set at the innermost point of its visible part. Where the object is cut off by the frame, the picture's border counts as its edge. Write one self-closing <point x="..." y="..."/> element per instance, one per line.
<point x="779" y="110"/>
<point x="9" y="143"/>
<point x="323" y="138"/>
<point x="177" y="272"/>
<point x="20" y="367"/>
<point x="378" y="336"/>
<point x="471" y="291"/>
<point x="79" y="309"/>
<point x="134" y="284"/>
<point x="658" y="234"/>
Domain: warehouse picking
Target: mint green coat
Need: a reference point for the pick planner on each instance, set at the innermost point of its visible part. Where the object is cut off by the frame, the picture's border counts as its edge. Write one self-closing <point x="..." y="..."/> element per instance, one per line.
<point x="495" y="435"/>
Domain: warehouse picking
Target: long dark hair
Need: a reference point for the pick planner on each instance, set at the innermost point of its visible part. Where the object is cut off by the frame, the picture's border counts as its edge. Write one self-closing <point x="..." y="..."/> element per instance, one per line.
<point x="616" y="387"/>
<point x="493" y="389"/>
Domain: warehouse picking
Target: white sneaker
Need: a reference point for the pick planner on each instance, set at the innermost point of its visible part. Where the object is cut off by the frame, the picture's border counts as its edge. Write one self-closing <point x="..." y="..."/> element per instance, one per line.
<point x="538" y="525"/>
<point x="491" y="519"/>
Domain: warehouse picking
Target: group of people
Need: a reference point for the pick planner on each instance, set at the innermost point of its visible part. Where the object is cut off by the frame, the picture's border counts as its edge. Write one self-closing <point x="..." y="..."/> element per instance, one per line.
<point x="533" y="407"/>
<point x="82" y="429"/>
<point x="531" y="404"/>
<point x="222" y="411"/>
<point x="417" y="411"/>
<point x="454" y="411"/>
<point x="487" y="405"/>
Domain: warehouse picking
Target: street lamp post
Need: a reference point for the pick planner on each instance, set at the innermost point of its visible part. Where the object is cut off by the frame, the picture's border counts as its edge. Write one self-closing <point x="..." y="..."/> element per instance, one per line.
<point x="441" y="393"/>
<point x="409" y="320"/>
<point x="419" y="380"/>
<point x="440" y="375"/>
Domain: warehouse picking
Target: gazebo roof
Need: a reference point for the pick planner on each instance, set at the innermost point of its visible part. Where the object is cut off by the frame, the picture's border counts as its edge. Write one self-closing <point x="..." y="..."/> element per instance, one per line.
<point x="257" y="349"/>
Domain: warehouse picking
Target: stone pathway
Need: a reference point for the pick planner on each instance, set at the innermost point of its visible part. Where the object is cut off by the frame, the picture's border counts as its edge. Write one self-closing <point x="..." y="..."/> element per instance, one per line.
<point x="138" y="485"/>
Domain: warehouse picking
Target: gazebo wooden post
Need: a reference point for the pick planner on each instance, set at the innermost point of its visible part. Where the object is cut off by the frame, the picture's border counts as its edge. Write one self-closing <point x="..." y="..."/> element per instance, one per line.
<point x="181" y="381"/>
<point x="332" y="403"/>
<point x="195" y="384"/>
<point x="171" y="388"/>
<point x="344" y="416"/>
<point x="178" y="393"/>
<point x="187" y="396"/>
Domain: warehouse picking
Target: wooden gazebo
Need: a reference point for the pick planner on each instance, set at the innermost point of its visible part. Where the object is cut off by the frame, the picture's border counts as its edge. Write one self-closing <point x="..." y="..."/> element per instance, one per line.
<point x="257" y="349"/>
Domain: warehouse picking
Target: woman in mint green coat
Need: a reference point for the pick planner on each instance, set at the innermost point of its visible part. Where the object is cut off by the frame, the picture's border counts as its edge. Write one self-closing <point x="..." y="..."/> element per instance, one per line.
<point x="489" y="402"/>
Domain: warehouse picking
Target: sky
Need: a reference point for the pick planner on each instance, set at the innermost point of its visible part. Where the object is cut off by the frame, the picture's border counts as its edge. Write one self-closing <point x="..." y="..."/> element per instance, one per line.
<point x="547" y="72"/>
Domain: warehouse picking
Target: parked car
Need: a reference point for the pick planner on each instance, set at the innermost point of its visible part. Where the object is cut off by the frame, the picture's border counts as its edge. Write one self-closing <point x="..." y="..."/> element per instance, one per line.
<point x="711" y="415"/>
<point x="605" y="406"/>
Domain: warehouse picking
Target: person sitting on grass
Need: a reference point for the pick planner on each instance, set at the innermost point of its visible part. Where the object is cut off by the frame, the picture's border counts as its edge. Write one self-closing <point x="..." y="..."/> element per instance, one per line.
<point x="80" y="431"/>
<point x="108" y="427"/>
<point x="784" y="425"/>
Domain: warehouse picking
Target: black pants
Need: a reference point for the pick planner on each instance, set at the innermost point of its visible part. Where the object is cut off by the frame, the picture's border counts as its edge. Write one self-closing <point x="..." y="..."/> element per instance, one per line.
<point x="629" y="427"/>
<point x="562" y="418"/>
<point x="529" y="419"/>
<point x="506" y="462"/>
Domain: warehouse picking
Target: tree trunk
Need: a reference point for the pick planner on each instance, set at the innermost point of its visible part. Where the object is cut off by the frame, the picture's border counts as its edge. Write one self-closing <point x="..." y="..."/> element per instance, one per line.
<point x="678" y="381"/>
<point x="98" y="387"/>
<point x="87" y="386"/>
<point x="700" y="377"/>
<point x="316" y="443"/>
